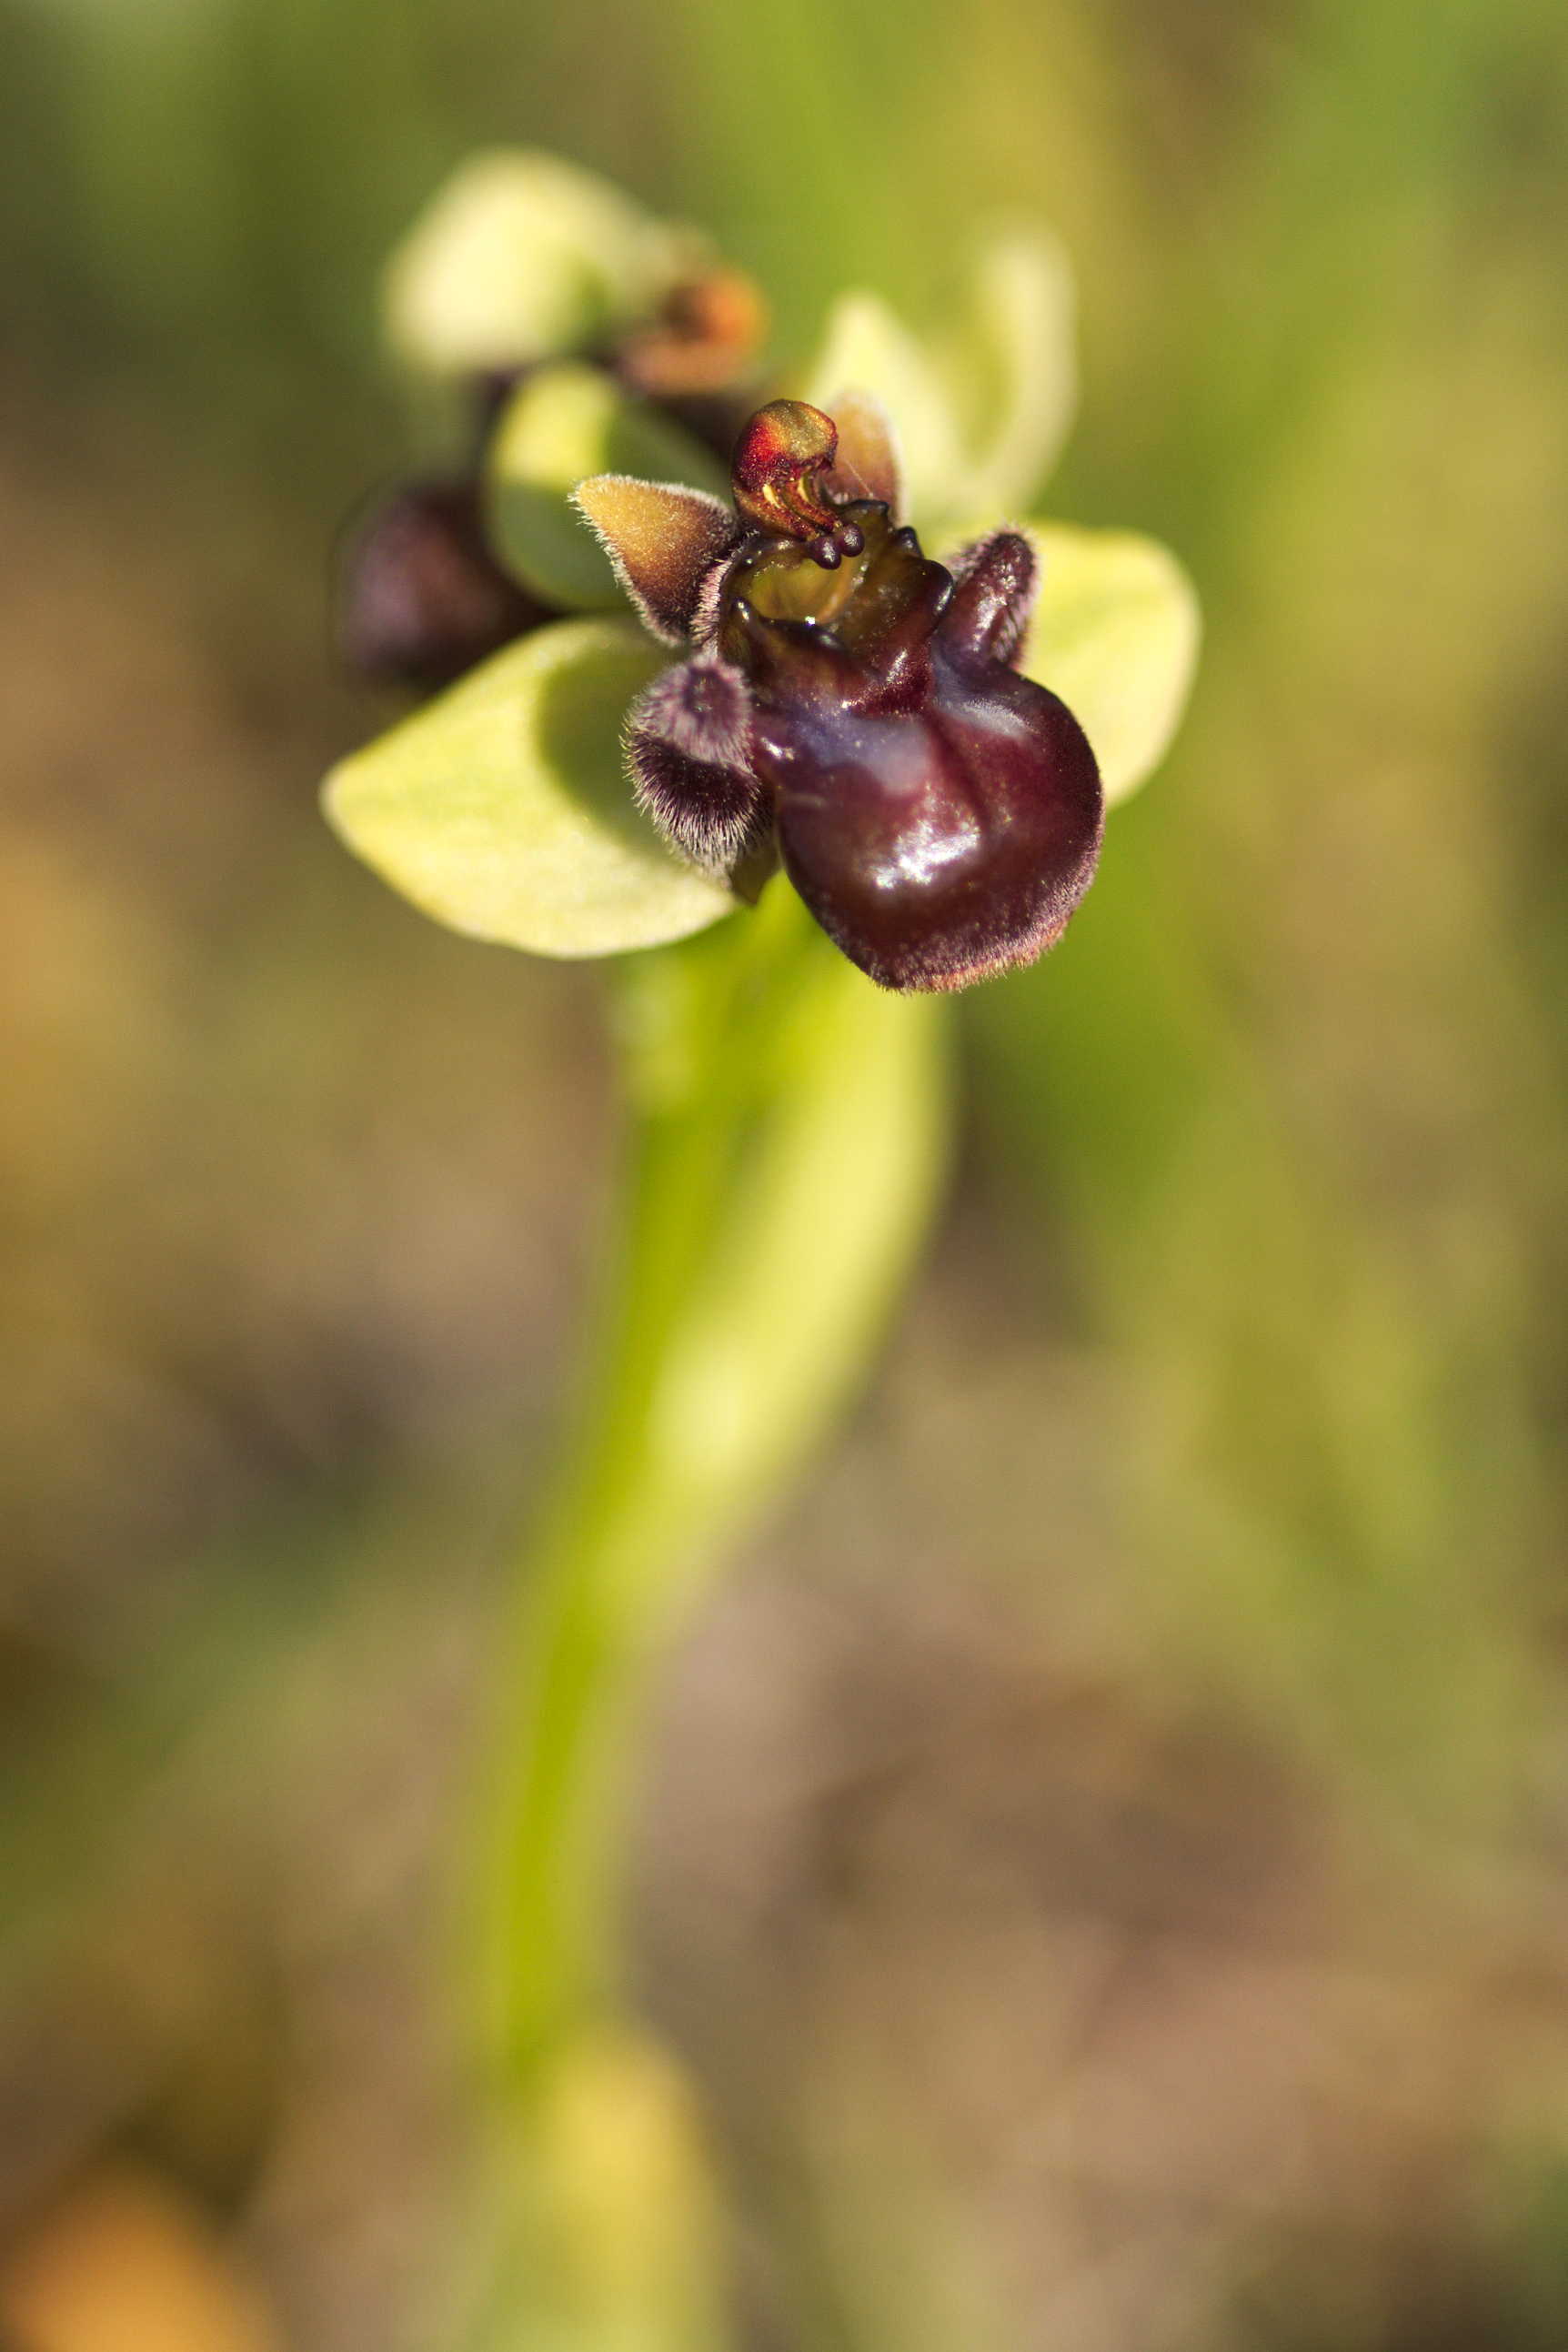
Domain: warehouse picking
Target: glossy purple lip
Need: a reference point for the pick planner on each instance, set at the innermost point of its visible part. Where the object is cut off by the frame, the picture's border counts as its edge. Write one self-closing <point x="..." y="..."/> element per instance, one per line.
<point x="937" y="844"/>
<point x="852" y="707"/>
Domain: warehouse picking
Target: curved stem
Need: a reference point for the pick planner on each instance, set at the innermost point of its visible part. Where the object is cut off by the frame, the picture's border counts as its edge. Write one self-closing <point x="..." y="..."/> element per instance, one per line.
<point x="603" y="1583"/>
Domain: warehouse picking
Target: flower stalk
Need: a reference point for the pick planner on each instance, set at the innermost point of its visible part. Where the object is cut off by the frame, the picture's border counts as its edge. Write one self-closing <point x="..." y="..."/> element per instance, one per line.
<point x="676" y="1448"/>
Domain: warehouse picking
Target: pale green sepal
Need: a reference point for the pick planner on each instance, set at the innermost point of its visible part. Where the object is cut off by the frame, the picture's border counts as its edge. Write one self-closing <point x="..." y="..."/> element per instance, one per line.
<point x="503" y="809"/>
<point x="566" y="422"/>
<point x="1016" y="370"/>
<point x="1115" y="633"/>
<point x="981" y="415"/>
<point x="867" y="348"/>
<point x="520" y="257"/>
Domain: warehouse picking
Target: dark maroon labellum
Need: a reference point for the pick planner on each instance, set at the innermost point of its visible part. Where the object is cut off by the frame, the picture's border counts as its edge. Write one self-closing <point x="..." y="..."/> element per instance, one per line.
<point x="940" y="813"/>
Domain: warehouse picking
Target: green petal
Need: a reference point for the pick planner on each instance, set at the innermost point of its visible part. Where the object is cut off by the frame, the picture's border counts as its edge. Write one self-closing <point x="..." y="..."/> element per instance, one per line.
<point x="566" y="422"/>
<point x="1115" y="634"/>
<point x="982" y="414"/>
<point x="1017" y="369"/>
<point x="867" y="349"/>
<point x="518" y="257"/>
<point x="503" y="808"/>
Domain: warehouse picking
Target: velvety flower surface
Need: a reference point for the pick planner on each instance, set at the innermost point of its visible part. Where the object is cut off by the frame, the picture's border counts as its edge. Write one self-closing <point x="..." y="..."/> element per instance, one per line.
<point x="855" y="703"/>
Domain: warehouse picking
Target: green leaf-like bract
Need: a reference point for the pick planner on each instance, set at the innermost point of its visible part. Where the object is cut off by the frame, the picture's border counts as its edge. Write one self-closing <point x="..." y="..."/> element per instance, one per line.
<point x="503" y="808"/>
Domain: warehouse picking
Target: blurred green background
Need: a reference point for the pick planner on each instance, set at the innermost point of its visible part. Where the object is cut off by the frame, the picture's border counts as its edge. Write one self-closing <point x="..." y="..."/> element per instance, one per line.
<point x="1107" y="1853"/>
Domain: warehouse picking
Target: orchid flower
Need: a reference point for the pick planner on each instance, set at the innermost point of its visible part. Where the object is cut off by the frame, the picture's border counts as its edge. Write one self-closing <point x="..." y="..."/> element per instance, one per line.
<point x="898" y="683"/>
<point x="680" y="626"/>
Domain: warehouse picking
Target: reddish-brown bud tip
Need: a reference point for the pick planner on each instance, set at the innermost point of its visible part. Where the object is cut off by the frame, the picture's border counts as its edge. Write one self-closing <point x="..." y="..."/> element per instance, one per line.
<point x="708" y="330"/>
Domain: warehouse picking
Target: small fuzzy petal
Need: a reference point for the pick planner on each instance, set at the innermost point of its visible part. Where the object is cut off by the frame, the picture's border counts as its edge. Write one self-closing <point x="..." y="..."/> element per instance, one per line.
<point x="714" y="815"/>
<point x="868" y="465"/>
<point x="703" y="708"/>
<point x="663" y="540"/>
<point x="998" y="577"/>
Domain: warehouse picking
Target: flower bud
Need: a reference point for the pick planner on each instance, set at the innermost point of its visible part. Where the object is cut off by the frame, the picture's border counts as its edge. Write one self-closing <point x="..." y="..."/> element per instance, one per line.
<point x="422" y="598"/>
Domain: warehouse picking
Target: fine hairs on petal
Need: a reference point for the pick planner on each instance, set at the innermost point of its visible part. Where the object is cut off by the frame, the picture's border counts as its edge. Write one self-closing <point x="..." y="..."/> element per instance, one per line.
<point x="709" y="609"/>
<point x="997" y="579"/>
<point x="953" y="961"/>
<point x="703" y="706"/>
<point x="715" y="816"/>
<point x="663" y="540"/>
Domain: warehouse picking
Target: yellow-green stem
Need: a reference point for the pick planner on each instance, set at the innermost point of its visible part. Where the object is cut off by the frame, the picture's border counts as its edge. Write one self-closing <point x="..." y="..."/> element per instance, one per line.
<point x="598" y="1602"/>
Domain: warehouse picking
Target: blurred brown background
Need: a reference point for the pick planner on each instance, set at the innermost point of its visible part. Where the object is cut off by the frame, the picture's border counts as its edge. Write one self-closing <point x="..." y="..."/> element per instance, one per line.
<point x="1123" y="1804"/>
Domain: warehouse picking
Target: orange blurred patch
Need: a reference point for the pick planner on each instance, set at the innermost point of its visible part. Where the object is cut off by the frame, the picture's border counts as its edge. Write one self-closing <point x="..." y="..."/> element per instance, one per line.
<point x="124" y="2263"/>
